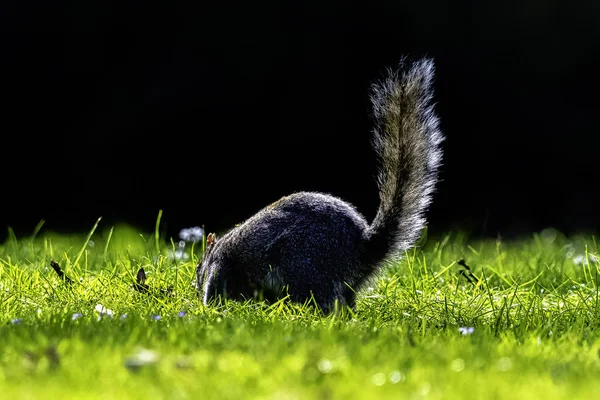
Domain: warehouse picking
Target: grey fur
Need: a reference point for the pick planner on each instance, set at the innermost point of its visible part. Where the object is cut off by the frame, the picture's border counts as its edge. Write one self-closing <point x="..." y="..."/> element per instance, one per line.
<point x="313" y="244"/>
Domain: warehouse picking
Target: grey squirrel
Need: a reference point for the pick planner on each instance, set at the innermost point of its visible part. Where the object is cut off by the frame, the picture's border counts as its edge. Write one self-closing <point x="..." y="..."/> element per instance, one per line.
<point x="313" y="245"/>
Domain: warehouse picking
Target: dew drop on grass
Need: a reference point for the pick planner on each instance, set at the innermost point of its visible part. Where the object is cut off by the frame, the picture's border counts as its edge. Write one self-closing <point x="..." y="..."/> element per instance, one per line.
<point x="141" y="358"/>
<point x="397" y="376"/>
<point x="425" y="389"/>
<point x="378" y="379"/>
<point x="147" y="356"/>
<point x="325" y="366"/>
<point x="457" y="365"/>
<point x="75" y="316"/>
<point x="504" y="364"/>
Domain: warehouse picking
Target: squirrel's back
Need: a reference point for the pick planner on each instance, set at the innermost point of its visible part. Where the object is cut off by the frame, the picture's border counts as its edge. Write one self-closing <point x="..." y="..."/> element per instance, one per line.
<point x="313" y="245"/>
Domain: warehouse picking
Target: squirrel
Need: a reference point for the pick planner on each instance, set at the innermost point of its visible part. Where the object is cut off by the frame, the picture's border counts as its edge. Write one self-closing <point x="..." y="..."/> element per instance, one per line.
<point x="317" y="247"/>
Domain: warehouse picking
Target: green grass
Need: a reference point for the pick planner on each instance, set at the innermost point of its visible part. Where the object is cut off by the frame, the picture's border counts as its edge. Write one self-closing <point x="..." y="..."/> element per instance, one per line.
<point x="533" y="305"/>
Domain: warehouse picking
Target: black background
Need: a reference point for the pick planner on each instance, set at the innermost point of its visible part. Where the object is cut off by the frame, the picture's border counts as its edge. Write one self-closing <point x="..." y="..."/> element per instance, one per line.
<point x="212" y="111"/>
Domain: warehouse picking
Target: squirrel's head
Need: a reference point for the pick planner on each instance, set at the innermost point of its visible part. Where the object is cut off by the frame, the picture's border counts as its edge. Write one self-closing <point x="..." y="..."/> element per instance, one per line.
<point x="201" y="269"/>
<point x="209" y="270"/>
<point x="217" y="275"/>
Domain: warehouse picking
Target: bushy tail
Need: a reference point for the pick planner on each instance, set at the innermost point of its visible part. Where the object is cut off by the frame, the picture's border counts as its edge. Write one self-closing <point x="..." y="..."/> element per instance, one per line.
<point x="407" y="141"/>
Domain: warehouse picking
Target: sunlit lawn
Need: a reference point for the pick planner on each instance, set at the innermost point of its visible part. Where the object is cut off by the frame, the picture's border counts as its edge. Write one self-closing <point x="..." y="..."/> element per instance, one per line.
<point x="524" y="323"/>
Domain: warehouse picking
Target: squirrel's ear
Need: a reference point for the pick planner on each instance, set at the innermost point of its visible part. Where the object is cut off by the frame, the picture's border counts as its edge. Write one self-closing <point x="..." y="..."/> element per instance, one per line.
<point x="210" y="239"/>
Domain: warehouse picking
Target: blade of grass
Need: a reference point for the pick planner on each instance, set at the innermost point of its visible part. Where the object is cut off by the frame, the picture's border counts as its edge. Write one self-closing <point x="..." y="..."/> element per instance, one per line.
<point x="37" y="229"/>
<point x="157" y="232"/>
<point x="110" y="233"/>
<point x="86" y="242"/>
